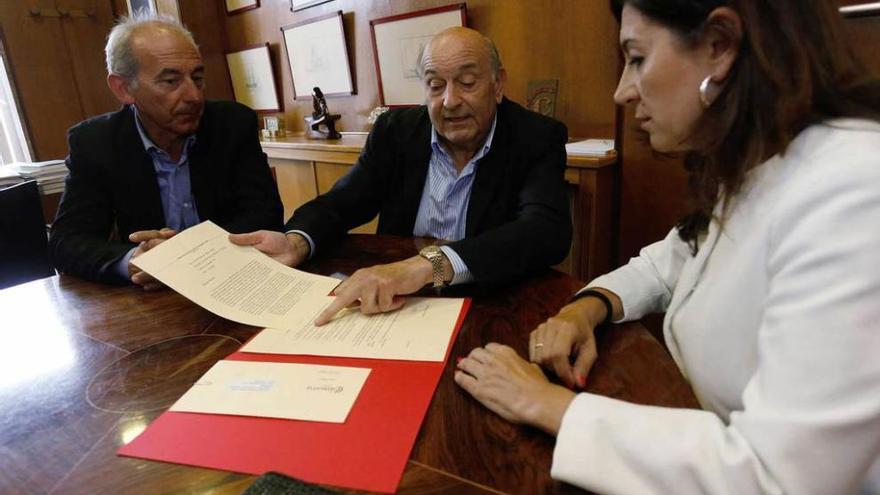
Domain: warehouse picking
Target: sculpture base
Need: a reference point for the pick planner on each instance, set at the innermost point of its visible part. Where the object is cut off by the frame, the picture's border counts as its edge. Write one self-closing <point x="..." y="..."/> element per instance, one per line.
<point x="323" y="127"/>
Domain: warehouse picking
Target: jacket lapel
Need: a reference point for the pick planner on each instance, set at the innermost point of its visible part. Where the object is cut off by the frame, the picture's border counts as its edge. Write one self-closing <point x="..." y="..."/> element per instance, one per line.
<point x="199" y="170"/>
<point x="415" y="155"/>
<point x="489" y="175"/>
<point x="138" y="175"/>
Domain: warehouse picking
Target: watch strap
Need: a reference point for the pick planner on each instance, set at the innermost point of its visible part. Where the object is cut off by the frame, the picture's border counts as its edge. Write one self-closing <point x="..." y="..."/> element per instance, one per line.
<point x="434" y="255"/>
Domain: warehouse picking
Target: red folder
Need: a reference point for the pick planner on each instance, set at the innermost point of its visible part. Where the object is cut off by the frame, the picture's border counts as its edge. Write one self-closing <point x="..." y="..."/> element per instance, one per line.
<point x="367" y="452"/>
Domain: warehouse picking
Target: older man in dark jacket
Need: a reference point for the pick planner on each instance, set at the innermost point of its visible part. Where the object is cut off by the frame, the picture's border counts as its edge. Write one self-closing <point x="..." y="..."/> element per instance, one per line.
<point x="164" y="162"/>
<point x="471" y="168"/>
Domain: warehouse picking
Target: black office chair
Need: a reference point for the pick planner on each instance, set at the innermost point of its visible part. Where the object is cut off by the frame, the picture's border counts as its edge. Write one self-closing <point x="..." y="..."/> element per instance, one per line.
<point x="23" y="243"/>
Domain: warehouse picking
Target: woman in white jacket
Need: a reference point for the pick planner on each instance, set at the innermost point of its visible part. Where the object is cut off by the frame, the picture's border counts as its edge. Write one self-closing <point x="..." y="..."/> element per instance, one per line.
<point x="771" y="287"/>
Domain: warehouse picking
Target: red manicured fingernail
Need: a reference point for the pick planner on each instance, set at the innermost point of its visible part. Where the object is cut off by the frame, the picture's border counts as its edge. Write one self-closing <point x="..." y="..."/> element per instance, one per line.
<point x="582" y="380"/>
<point x="458" y="360"/>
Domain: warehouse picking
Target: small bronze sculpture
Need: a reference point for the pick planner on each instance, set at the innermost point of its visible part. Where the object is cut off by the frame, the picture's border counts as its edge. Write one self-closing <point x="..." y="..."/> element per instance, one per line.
<point x="321" y="117"/>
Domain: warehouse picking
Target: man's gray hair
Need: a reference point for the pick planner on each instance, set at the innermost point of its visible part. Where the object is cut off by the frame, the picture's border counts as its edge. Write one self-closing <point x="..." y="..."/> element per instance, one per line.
<point x="119" y="52"/>
<point x="494" y="57"/>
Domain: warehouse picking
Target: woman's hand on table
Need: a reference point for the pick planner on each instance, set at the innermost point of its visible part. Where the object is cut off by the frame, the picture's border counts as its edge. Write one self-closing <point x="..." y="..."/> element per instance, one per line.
<point x="569" y="333"/>
<point x="512" y="387"/>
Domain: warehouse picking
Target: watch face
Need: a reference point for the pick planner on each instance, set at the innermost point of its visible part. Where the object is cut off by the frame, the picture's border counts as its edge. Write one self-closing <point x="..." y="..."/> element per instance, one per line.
<point x="430" y="251"/>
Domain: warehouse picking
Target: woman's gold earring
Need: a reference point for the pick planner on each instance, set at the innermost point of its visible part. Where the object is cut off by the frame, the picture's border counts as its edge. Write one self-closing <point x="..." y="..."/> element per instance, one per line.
<point x="705" y="98"/>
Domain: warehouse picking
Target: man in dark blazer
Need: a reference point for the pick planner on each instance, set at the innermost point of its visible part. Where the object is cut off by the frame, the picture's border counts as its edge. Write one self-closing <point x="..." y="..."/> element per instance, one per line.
<point x="510" y="220"/>
<point x="164" y="162"/>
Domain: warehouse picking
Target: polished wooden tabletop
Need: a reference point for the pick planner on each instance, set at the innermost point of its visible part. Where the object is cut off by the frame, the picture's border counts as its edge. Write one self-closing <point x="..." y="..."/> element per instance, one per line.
<point x="84" y="368"/>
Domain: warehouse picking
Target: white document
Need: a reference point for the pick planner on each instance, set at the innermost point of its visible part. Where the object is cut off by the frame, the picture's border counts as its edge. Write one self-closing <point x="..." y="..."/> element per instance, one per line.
<point x="590" y="147"/>
<point x="238" y="283"/>
<point x="275" y="390"/>
<point x="420" y="331"/>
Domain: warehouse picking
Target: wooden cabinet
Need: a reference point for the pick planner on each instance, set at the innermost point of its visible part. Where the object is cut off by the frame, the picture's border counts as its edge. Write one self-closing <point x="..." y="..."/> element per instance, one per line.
<point x="591" y="182"/>
<point x="305" y="168"/>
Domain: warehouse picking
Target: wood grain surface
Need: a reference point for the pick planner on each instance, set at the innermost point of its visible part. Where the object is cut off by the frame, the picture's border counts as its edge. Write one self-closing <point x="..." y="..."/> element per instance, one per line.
<point x="85" y="368"/>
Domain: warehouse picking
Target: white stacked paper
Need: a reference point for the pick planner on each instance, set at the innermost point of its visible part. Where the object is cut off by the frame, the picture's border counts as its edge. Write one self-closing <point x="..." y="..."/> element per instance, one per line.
<point x="59" y="170"/>
<point x="49" y="175"/>
<point x="9" y="176"/>
<point x="590" y="147"/>
<point x="52" y="187"/>
<point x="40" y="167"/>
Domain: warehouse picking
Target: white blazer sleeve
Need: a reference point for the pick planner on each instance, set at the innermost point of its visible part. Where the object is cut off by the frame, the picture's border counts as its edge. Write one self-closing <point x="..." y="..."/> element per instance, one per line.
<point x="645" y="284"/>
<point x="810" y="421"/>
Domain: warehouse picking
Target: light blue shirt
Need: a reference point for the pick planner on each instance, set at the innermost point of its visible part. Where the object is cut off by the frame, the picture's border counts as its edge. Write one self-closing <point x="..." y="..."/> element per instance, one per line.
<point x="443" y="209"/>
<point x="445" y="198"/>
<point x="175" y="190"/>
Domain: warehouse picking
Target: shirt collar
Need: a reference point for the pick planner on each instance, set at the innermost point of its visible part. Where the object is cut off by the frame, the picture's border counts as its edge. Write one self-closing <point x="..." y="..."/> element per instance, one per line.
<point x="149" y="145"/>
<point x="437" y="146"/>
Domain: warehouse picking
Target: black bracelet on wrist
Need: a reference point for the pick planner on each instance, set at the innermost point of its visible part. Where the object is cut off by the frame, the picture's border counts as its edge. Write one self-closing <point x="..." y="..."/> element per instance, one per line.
<point x="609" y="309"/>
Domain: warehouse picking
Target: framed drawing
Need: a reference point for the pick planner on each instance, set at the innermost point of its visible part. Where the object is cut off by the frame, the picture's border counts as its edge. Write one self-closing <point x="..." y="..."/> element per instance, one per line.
<point x="296" y="5"/>
<point x="253" y="81"/>
<point x="238" y="6"/>
<point x="397" y="45"/>
<point x="135" y="6"/>
<point x="317" y="56"/>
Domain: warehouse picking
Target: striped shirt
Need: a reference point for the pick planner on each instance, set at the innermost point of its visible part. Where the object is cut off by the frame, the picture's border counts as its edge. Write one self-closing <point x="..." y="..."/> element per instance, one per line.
<point x="445" y="198"/>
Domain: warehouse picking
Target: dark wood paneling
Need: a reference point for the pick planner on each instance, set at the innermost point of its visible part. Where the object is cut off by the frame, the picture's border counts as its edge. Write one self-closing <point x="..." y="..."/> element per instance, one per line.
<point x="854" y="2"/>
<point x="206" y="21"/>
<point x="43" y="71"/>
<point x="652" y="192"/>
<point x="864" y="33"/>
<point x="85" y="37"/>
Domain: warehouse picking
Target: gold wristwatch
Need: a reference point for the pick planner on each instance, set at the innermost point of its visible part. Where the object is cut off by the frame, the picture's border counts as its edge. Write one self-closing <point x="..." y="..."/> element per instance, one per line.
<point x="435" y="256"/>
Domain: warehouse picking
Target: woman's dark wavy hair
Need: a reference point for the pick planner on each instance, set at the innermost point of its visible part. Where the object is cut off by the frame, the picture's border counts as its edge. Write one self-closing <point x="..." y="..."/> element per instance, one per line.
<point x="794" y="69"/>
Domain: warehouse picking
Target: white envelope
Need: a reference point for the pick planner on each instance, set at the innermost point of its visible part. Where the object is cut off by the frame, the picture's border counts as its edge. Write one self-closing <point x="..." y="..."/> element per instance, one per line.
<point x="275" y="390"/>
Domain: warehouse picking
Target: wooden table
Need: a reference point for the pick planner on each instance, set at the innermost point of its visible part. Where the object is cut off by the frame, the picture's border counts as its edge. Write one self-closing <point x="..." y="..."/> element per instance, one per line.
<point x="84" y="368"/>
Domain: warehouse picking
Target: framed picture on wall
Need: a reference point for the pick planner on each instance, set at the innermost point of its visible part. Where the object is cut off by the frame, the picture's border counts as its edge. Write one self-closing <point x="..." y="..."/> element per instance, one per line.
<point x="135" y="6"/>
<point x="253" y="81"/>
<point x="397" y="45"/>
<point x="296" y="5"/>
<point x="238" y="6"/>
<point x="317" y="56"/>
